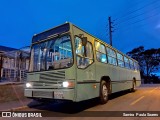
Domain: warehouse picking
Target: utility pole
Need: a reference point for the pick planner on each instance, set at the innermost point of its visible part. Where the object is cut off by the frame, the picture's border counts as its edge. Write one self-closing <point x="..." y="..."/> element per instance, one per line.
<point x="110" y="30"/>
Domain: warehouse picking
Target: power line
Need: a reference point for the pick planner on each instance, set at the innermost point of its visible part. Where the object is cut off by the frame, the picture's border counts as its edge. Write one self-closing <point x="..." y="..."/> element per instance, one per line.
<point x="135" y="3"/>
<point x="124" y="21"/>
<point x="128" y="26"/>
<point x="151" y="16"/>
<point x="136" y="16"/>
<point x="131" y="12"/>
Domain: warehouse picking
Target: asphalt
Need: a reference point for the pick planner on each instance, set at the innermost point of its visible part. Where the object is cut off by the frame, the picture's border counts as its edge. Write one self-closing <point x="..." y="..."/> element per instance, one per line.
<point x="145" y="98"/>
<point x="23" y="103"/>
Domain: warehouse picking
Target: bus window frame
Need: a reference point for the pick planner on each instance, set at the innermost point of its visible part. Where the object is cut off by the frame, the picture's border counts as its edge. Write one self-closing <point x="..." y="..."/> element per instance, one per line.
<point x="63" y="34"/>
<point x="100" y="52"/>
<point x="120" y="59"/>
<point x="112" y="56"/>
<point x="131" y="65"/>
<point x="83" y="57"/>
<point x="137" y="66"/>
<point x="128" y="63"/>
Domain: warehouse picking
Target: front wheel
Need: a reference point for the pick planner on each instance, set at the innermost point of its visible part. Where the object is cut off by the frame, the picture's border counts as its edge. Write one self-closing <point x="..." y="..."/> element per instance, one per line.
<point x="103" y="92"/>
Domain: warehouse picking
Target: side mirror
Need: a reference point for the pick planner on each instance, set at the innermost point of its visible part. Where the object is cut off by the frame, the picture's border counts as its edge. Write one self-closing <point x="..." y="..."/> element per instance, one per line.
<point x="84" y="41"/>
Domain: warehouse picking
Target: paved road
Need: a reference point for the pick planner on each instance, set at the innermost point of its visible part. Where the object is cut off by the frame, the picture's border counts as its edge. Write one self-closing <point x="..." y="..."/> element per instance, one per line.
<point x="145" y="98"/>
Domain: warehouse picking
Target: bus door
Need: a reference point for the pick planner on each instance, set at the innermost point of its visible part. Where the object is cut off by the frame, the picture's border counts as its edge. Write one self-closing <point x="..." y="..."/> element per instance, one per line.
<point x="85" y="66"/>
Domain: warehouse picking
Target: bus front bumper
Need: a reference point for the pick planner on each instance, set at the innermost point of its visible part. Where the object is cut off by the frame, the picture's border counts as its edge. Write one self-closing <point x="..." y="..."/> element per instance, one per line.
<point x="63" y="94"/>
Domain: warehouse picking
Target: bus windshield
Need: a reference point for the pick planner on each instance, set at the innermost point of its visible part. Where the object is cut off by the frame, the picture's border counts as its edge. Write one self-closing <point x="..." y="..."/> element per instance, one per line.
<point x="52" y="54"/>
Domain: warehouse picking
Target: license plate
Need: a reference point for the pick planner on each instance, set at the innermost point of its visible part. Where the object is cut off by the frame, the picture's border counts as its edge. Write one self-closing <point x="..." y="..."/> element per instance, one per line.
<point x="58" y="94"/>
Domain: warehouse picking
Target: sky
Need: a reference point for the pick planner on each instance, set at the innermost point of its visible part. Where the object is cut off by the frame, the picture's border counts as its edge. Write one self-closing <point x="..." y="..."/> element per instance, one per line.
<point x="135" y="22"/>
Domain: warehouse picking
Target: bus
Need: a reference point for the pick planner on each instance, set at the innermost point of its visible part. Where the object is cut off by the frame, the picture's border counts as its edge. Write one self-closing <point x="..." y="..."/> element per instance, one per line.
<point x="67" y="63"/>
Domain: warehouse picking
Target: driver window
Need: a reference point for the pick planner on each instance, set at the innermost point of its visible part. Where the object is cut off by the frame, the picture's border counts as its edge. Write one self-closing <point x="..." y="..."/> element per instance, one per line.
<point x="84" y="53"/>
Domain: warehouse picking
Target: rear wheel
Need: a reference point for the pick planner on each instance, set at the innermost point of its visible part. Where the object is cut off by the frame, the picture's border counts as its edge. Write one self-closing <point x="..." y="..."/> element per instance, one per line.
<point x="103" y="92"/>
<point x="133" y="85"/>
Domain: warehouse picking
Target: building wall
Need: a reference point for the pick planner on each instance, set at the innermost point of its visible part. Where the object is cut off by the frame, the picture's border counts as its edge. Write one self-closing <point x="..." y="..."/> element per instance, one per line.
<point x="14" y="67"/>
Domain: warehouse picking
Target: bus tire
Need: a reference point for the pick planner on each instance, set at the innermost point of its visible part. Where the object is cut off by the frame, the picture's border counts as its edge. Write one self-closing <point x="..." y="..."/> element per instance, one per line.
<point x="104" y="91"/>
<point x="133" y="85"/>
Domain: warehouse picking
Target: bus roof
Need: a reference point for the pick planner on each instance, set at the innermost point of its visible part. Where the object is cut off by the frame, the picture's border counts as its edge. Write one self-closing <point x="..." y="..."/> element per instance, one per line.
<point x="56" y="30"/>
<point x="64" y="28"/>
<point x="108" y="45"/>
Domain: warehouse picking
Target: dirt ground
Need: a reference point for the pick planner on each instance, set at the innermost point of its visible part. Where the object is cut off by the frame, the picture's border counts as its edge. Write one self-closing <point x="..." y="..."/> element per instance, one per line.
<point x="11" y="92"/>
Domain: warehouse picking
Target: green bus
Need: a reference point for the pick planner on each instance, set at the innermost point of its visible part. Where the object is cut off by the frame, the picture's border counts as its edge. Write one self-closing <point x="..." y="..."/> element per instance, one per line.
<point x="67" y="63"/>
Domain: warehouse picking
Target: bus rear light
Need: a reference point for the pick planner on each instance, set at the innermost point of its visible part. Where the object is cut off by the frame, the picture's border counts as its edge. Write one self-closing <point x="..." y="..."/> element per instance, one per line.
<point x="68" y="84"/>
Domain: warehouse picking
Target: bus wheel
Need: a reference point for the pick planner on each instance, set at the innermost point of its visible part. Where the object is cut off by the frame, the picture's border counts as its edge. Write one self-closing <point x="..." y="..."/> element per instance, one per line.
<point x="133" y="85"/>
<point x="103" y="92"/>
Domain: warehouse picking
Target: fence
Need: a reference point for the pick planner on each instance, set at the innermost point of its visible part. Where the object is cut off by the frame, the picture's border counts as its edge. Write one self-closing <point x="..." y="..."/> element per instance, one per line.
<point x="14" y="65"/>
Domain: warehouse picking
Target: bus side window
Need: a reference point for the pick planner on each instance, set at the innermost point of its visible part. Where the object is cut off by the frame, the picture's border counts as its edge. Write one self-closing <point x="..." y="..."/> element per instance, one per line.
<point x="131" y="64"/>
<point x="84" y="53"/>
<point x="126" y="61"/>
<point x="79" y="47"/>
<point x="111" y="56"/>
<point x="100" y="52"/>
<point x="120" y="60"/>
<point x="136" y="66"/>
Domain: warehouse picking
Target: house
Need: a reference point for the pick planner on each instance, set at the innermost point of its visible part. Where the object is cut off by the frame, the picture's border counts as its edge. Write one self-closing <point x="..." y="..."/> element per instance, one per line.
<point x="13" y="63"/>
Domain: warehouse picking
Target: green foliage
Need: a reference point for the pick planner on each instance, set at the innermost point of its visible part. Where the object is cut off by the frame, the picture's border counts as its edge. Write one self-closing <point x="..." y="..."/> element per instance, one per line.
<point x="149" y="60"/>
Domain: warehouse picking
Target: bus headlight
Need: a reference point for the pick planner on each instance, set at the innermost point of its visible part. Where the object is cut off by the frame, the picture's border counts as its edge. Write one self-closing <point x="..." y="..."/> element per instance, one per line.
<point x="28" y="85"/>
<point x="65" y="84"/>
<point x="68" y="84"/>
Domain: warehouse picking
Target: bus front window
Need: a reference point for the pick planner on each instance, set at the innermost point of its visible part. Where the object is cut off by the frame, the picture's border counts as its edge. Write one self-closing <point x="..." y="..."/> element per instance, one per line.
<point x="52" y="54"/>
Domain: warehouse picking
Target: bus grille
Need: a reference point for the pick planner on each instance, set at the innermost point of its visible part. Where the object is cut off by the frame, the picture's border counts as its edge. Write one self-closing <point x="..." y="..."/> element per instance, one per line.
<point x="56" y="76"/>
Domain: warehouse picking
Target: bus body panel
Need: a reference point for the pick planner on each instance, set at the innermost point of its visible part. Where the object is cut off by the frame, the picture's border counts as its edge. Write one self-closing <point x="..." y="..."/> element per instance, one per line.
<point x="61" y="94"/>
<point x="121" y="78"/>
<point x="48" y="86"/>
<point x="86" y="80"/>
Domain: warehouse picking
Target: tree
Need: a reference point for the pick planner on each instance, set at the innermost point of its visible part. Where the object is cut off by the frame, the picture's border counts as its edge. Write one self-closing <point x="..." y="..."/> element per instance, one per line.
<point x="136" y="54"/>
<point x="149" y="60"/>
